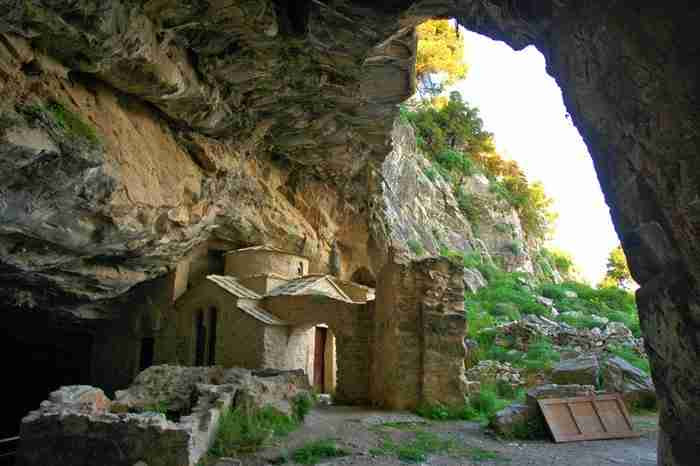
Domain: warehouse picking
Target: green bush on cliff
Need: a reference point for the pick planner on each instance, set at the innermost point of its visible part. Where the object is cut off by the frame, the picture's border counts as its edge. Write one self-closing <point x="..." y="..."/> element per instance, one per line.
<point x="450" y="132"/>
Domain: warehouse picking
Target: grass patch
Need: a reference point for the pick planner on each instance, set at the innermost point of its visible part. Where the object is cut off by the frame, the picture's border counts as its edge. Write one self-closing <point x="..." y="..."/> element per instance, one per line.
<point x="314" y="452"/>
<point x="479" y="406"/>
<point x="244" y="430"/>
<point x="423" y="444"/>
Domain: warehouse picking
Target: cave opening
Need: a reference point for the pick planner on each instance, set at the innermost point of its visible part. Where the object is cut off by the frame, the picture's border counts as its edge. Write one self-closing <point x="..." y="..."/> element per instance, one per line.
<point x="43" y="355"/>
<point x="519" y="128"/>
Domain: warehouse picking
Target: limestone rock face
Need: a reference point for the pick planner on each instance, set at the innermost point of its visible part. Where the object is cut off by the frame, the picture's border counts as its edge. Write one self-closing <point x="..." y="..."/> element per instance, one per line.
<point x="473" y="280"/>
<point x="419" y="204"/>
<point x="316" y="86"/>
<point x="499" y="226"/>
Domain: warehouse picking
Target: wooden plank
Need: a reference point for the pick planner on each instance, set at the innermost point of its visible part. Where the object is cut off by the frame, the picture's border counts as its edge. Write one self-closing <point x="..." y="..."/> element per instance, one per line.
<point x="587" y="418"/>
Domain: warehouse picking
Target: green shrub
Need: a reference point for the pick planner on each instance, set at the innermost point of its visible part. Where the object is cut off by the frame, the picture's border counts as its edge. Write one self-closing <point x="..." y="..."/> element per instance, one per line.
<point x="247" y="429"/>
<point x="552" y="291"/>
<point x="315" y="452"/>
<point x="415" y="246"/>
<point x="430" y="173"/>
<point x="72" y="123"/>
<point x="540" y="355"/>
<point x="631" y="356"/>
<point x="301" y="405"/>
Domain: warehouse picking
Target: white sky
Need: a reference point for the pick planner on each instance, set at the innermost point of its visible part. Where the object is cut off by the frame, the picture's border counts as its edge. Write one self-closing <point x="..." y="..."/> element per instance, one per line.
<point x="522" y="105"/>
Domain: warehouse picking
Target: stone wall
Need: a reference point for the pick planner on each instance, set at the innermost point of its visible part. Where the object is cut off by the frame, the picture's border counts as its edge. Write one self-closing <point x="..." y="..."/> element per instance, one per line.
<point x="79" y="426"/>
<point x="290" y="348"/>
<point x="419" y="330"/>
<point x="352" y="326"/>
<point x="239" y="336"/>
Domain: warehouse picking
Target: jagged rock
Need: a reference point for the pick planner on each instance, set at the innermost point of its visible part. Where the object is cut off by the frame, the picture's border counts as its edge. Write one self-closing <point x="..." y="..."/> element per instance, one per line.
<point x="635" y="386"/>
<point x="474" y="280"/>
<point x="583" y="370"/>
<point x="418" y="207"/>
<point x="505" y="420"/>
<point x="545" y="301"/>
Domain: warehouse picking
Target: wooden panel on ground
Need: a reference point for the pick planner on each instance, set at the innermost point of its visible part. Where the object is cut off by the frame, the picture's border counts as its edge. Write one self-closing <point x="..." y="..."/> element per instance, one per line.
<point x="587" y="418"/>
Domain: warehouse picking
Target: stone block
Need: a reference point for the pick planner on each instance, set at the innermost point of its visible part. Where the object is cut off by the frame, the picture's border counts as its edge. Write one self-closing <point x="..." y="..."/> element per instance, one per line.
<point x="583" y="370"/>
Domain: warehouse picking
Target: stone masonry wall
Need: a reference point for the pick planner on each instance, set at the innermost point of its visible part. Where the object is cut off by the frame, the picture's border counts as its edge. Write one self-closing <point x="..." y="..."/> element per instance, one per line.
<point x="419" y="330"/>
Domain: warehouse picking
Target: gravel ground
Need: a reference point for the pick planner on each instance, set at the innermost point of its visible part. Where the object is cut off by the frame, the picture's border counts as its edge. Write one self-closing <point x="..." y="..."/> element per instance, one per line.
<point x="359" y="430"/>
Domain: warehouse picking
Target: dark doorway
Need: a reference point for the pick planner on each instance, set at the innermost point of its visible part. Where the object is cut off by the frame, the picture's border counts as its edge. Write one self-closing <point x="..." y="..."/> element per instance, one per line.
<point x="147" y="350"/>
<point x="319" y="358"/>
<point x="213" y="316"/>
<point x="200" y="339"/>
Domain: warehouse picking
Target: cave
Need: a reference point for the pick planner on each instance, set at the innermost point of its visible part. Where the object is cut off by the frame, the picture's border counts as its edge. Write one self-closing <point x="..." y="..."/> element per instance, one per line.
<point x="47" y="354"/>
<point x="89" y="213"/>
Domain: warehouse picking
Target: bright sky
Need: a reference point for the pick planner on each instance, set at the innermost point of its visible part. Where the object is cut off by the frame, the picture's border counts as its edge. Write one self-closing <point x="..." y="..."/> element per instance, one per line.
<point x="522" y="105"/>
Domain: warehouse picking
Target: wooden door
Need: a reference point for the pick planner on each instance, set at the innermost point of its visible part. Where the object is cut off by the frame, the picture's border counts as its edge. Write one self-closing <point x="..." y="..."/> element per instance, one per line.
<point x="319" y="361"/>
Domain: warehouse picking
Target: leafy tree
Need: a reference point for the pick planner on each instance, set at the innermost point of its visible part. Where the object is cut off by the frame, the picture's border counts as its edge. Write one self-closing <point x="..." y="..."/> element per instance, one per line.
<point x="618" y="272"/>
<point x="439" y="61"/>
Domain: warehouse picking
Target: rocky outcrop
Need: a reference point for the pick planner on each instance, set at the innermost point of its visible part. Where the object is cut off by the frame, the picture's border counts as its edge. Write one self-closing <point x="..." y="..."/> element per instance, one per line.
<point x="420" y="208"/>
<point x="635" y="386"/>
<point x="423" y="215"/>
<point x="498" y="226"/>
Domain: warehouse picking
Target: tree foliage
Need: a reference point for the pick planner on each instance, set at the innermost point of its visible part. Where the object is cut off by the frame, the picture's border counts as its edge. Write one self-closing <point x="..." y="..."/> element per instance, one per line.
<point x="453" y="136"/>
<point x="439" y="61"/>
<point x="618" y="272"/>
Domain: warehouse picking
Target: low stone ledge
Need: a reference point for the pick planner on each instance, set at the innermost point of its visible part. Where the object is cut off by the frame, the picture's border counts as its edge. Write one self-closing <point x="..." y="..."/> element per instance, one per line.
<point x="168" y="417"/>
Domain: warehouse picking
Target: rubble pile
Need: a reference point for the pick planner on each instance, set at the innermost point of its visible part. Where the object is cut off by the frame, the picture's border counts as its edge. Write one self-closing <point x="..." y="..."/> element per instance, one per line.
<point x="518" y="335"/>
<point x="494" y="372"/>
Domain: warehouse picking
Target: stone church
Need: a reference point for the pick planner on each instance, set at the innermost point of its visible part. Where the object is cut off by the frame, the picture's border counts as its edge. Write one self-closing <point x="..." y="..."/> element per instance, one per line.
<point x="253" y="316"/>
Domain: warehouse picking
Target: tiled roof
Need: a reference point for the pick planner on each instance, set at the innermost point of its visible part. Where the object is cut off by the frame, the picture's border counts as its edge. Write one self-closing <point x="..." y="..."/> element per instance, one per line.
<point x="231" y="285"/>
<point x="263" y="316"/>
<point x="265" y="248"/>
<point x="309" y="285"/>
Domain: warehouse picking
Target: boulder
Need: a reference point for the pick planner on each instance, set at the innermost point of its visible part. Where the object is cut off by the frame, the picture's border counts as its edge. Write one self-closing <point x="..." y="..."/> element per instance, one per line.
<point x="636" y="387"/>
<point x="474" y="280"/>
<point x="505" y="420"/>
<point x="617" y="329"/>
<point x="545" y="301"/>
<point x="583" y="370"/>
<point x="570" y="294"/>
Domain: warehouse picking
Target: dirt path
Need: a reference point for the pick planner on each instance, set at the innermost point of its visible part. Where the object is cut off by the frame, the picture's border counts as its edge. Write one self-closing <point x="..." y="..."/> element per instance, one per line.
<point x="363" y="432"/>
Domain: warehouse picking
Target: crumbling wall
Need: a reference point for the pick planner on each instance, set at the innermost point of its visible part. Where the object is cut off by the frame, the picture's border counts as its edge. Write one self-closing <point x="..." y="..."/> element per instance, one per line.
<point x="168" y="417"/>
